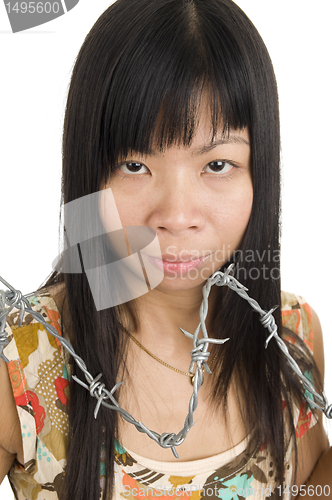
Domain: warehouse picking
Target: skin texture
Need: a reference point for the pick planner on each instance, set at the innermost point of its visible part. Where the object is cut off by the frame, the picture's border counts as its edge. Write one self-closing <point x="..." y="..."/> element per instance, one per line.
<point x="10" y="434"/>
<point x="193" y="210"/>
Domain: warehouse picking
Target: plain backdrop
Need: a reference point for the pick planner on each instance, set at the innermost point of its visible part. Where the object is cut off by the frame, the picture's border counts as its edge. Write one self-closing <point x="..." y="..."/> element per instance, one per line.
<point x="36" y="67"/>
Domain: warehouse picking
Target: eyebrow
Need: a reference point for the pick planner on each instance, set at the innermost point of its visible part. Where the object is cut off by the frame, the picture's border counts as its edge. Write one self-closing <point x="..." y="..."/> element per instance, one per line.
<point x="232" y="139"/>
<point x="200" y="150"/>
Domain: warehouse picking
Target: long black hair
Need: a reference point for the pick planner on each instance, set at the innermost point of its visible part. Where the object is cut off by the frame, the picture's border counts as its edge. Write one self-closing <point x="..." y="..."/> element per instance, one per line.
<point x="141" y="60"/>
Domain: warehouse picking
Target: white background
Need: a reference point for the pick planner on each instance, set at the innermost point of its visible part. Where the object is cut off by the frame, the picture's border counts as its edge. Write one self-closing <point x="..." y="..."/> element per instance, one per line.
<point x="36" y="66"/>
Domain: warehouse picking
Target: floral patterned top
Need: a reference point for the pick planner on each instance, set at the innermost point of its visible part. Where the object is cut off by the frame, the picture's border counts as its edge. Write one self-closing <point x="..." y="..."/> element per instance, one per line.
<point x="39" y="371"/>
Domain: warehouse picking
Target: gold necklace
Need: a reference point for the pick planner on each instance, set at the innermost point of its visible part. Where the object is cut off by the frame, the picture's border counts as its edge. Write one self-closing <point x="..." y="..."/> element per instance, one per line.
<point x="187" y="374"/>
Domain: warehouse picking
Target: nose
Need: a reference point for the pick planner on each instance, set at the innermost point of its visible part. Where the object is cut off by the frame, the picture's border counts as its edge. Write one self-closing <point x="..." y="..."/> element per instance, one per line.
<point x="178" y="208"/>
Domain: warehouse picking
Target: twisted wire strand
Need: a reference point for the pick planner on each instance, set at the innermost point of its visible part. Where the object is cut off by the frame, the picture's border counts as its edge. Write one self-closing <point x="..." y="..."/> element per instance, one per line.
<point x="3" y="334"/>
<point x="199" y="355"/>
<point x="268" y="322"/>
<point x="97" y="389"/>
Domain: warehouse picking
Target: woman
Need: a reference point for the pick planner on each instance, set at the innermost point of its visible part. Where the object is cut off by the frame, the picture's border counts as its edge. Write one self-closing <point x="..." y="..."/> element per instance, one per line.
<point x="173" y="109"/>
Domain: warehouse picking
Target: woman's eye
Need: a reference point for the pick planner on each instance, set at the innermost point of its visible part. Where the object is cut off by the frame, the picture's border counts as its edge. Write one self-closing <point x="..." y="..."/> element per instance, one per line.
<point x="131" y="168"/>
<point x="219" y="167"/>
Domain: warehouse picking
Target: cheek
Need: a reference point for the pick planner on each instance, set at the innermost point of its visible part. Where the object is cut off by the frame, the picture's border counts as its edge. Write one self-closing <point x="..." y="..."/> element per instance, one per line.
<point x="118" y="211"/>
<point x="232" y="214"/>
<point x="109" y="211"/>
<point x="132" y="215"/>
<point x="242" y="209"/>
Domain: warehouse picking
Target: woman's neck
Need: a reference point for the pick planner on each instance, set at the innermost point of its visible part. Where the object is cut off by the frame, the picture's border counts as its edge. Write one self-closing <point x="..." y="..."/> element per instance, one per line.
<point x="162" y="313"/>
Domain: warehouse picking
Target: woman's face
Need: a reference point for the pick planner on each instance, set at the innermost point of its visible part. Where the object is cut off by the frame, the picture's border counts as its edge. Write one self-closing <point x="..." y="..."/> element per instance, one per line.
<point x="198" y="199"/>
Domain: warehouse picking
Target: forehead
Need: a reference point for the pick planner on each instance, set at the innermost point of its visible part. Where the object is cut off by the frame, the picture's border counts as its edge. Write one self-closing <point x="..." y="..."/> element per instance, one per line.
<point x="206" y="136"/>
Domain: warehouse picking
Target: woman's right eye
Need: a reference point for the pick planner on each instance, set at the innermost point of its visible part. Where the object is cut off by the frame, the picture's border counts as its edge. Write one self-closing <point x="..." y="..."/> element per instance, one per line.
<point x="131" y="168"/>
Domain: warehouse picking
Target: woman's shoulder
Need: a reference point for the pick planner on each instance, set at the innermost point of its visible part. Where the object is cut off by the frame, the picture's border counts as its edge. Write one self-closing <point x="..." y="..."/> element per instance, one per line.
<point x="42" y="302"/>
<point x="10" y="434"/>
<point x="28" y="334"/>
<point x="297" y="316"/>
<point x="299" y="320"/>
<point x="39" y="376"/>
<point x="32" y="351"/>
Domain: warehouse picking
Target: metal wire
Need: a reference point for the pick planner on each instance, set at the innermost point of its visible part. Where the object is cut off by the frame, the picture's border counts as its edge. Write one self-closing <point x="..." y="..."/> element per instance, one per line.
<point x="199" y="355"/>
<point x="268" y="322"/>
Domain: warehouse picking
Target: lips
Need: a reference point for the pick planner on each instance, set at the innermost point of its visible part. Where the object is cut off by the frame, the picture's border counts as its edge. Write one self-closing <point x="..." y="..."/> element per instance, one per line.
<point x="181" y="258"/>
<point x="177" y="267"/>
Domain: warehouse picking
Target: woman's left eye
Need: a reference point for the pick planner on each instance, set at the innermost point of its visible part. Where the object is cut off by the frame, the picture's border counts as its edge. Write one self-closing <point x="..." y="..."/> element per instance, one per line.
<point x="220" y="167"/>
<point x="132" y="167"/>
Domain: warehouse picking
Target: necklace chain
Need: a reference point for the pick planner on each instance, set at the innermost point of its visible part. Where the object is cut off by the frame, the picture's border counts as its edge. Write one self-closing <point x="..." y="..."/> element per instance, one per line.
<point x="14" y="298"/>
<point x="187" y="374"/>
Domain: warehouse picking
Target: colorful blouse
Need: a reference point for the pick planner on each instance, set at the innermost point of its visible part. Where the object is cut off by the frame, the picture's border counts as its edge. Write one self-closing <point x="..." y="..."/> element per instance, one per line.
<point x="39" y="371"/>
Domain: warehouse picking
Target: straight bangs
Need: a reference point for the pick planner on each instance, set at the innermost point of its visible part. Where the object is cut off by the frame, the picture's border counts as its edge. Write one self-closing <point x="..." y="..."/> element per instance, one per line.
<point x="173" y="61"/>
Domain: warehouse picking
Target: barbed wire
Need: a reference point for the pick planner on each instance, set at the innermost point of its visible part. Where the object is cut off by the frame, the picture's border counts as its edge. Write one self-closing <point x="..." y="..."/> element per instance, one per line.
<point x="13" y="298"/>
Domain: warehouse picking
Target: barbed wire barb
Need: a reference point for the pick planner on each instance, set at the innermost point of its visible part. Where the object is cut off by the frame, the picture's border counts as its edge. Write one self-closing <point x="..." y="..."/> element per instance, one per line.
<point x="13" y="298"/>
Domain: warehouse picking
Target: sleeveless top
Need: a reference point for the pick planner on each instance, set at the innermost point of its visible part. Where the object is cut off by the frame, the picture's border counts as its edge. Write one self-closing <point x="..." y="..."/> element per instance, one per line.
<point x="39" y="371"/>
